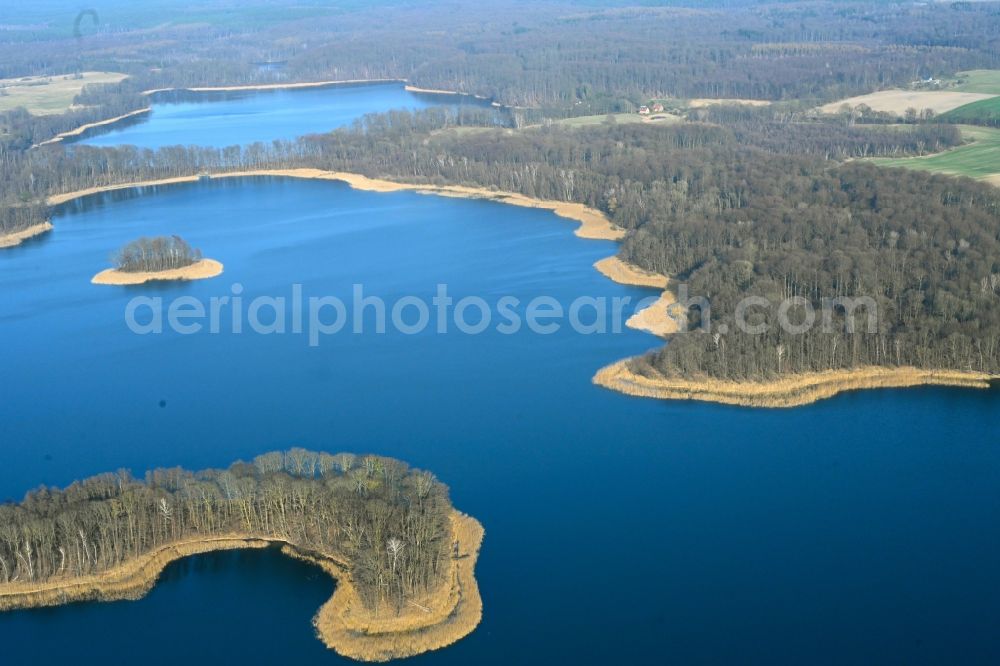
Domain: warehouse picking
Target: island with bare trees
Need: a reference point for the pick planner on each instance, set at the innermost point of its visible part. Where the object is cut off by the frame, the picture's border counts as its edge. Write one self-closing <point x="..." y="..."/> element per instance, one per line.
<point x="160" y="258"/>
<point x="402" y="556"/>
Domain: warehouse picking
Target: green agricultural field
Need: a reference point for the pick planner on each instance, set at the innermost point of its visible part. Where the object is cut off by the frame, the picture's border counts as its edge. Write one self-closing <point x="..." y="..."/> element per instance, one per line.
<point x="49" y="94"/>
<point x="978" y="81"/>
<point x="979" y="158"/>
<point x="985" y="111"/>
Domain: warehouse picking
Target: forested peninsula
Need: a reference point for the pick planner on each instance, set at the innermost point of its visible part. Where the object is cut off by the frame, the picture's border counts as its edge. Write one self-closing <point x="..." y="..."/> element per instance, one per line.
<point x="402" y="556"/>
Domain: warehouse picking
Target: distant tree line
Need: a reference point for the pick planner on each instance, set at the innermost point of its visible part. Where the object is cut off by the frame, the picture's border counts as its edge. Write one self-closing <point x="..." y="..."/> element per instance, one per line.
<point x="781" y="129"/>
<point x="556" y="58"/>
<point x="387" y="521"/>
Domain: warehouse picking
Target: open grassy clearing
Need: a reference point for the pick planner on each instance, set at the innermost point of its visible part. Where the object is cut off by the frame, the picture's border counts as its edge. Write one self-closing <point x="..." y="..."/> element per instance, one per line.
<point x="978" y="81"/>
<point x="702" y="102"/>
<point x="977" y="159"/>
<point x="43" y="95"/>
<point x="600" y="119"/>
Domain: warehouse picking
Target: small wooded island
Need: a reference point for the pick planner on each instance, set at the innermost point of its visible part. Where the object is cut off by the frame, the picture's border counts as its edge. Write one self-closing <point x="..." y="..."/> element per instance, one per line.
<point x="159" y="258"/>
<point x="402" y="556"/>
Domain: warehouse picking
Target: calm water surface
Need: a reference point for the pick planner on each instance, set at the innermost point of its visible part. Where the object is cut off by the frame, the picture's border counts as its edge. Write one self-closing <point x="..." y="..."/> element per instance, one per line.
<point x="862" y="529"/>
<point x="225" y="119"/>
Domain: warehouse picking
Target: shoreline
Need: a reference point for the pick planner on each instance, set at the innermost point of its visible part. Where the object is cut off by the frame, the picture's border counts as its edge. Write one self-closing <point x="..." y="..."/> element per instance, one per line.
<point x="18" y="237"/>
<point x="99" y="123"/>
<point x="429" y="623"/>
<point x="655" y="319"/>
<point x="340" y="624"/>
<point x="273" y="86"/>
<point x="262" y="87"/>
<point x="199" y="270"/>
<point x="593" y="223"/>
<point x="453" y="93"/>
<point x="790" y="391"/>
<point x="323" y="84"/>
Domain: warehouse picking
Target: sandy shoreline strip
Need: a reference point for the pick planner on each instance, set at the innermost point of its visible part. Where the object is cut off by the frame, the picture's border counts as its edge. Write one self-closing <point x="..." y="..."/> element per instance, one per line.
<point x="18" y="237"/>
<point x="658" y="318"/>
<point x="593" y="223"/>
<point x="623" y="272"/>
<point x="455" y="93"/>
<point x="275" y="86"/>
<point x="342" y="623"/>
<point x="320" y="84"/>
<point x="789" y="391"/>
<point x="199" y="270"/>
<point x="83" y="128"/>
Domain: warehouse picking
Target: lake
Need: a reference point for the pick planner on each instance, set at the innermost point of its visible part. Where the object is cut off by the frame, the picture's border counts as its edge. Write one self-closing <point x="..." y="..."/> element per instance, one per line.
<point x="861" y="529"/>
<point x="222" y="119"/>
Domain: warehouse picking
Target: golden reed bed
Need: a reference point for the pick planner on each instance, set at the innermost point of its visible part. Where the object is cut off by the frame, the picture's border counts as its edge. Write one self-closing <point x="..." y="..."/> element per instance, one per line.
<point x="789" y="391"/>
<point x="199" y="270"/>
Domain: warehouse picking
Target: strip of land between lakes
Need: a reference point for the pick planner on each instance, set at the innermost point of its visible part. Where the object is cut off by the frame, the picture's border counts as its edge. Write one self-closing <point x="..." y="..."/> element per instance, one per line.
<point x="274" y="86"/>
<point x="324" y="84"/>
<point x="100" y="123"/>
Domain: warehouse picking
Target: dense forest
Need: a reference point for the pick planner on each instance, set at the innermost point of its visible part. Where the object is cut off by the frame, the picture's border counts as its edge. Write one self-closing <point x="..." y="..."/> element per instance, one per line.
<point x="558" y="58"/>
<point x="783" y="130"/>
<point x="161" y="253"/>
<point x="18" y="217"/>
<point x="923" y="248"/>
<point x="387" y="521"/>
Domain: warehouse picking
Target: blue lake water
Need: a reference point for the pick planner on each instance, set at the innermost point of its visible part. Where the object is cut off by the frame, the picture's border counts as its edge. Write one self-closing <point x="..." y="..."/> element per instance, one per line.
<point x="862" y="529"/>
<point x="231" y="118"/>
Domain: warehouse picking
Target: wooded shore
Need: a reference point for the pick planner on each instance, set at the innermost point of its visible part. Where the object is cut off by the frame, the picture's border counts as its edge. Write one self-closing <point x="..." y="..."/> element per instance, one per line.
<point x="343" y="624"/>
<point x="788" y="391"/>
<point x="18" y="237"/>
